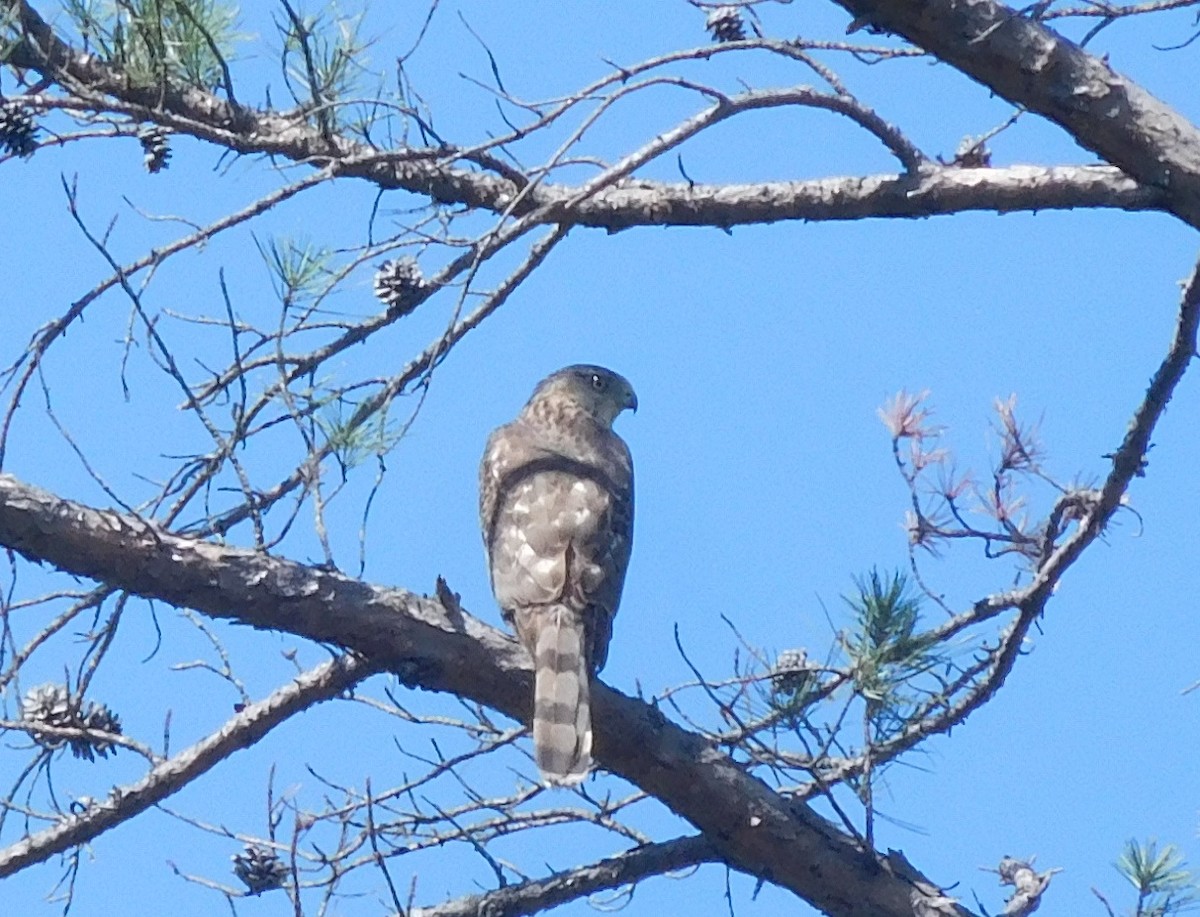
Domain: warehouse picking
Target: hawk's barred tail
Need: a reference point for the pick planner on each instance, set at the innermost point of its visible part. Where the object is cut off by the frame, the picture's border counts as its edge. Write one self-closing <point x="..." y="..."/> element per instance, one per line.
<point x="562" y="719"/>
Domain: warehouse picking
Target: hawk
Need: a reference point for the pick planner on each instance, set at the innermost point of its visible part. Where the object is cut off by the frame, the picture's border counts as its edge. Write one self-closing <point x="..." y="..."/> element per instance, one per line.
<point x="556" y="509"/>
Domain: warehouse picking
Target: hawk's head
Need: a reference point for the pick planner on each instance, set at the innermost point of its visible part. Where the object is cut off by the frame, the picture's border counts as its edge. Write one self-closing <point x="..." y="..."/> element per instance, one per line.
<point x="600" y="392"/>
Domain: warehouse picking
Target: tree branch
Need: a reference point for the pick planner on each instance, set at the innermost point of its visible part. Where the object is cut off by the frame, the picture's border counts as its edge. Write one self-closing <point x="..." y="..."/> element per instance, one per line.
<point x="431" y="647"/>
<point x="99" y="86"/>
<point x="934" y="192"/>
<point x="242" y="731"/>
<point x="612" y="872"/>
<point x="1035" y="67"/>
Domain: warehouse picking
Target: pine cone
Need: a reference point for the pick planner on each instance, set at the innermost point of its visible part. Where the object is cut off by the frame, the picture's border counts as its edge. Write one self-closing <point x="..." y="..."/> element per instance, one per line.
<point x="972" y="154"/>
<point x="156" y="148"/>
<point x="395" y="283"/>
<point x="790" y="674"/>
<point x="100" y="718"/>
<point x="725" y="23"/>
<point x="17" y="130"/>
<point x="52" y="705"/>
<point x="49" y="705"/>
<point x="260" y="869"/>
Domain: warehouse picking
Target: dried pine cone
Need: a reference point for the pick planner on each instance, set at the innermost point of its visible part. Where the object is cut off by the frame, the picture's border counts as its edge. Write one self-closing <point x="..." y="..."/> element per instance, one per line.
<point x="972" y="154"/>
<point x="102" y="719"/>
<point x="17" y="129"/>
<point x="52" y="705"/>
<point x="725" y="23"/>
<point x="790" y="673"/>
<point x="1029" y="886"/>
<point x="260" y="869"/>
<point x="48" y="705"/>
<point x="396" y="281"/>
<point x="154" y="145"/>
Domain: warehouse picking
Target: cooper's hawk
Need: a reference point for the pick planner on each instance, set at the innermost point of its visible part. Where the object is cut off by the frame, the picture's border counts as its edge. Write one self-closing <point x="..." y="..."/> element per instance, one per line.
<point x="556" y="507"/>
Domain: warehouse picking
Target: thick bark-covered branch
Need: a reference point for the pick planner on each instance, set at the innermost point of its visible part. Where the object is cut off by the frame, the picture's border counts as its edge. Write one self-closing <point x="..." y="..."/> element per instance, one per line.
<point x="612" y="872"/>
<point x="247" y="727"/>
<point x="1035" y="67"/>
<point x="437" y="648"/>
<point x="96" y="85"/>
<point x="940" y="191"/>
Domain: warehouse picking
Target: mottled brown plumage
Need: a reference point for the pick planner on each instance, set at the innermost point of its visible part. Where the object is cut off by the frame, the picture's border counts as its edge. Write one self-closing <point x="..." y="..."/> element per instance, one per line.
<point x="556" y="508"/>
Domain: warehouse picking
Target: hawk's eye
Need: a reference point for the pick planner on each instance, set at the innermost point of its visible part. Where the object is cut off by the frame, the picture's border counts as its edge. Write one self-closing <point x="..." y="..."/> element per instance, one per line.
<point x="598" y="382"/>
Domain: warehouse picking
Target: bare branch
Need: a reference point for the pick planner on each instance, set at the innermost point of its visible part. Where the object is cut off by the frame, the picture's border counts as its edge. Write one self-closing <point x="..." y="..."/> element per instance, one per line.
<point x="431" y="171"/>
<point x="242" y="731"/>
<point x="754" y="828"/>
<point x="612" y="872"/>
<point x="1034" y="67"/>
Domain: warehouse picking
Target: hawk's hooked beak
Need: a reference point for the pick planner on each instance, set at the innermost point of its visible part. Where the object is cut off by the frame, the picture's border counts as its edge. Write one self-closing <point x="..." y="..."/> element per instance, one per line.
<point x="631" y="400"/>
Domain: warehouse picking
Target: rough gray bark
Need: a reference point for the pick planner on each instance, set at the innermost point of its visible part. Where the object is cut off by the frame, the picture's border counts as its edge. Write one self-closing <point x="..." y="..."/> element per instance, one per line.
<point x="1033" y="66"/>
<point x="934" y="190"/>
<point x="612" y="872"/>
<point x="431" y="644"/>
<point x="435" y="646"/>
<point x="170" y="776"/>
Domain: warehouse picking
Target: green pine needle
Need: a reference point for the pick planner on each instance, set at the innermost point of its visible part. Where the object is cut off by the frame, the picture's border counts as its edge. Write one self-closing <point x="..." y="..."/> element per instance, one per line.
<point x="1164" y="883"/>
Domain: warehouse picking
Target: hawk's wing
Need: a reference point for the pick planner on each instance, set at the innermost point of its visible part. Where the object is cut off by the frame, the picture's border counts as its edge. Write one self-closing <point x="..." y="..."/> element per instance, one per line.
<point x="558" y="534"/>
<point x="557" y="530"/>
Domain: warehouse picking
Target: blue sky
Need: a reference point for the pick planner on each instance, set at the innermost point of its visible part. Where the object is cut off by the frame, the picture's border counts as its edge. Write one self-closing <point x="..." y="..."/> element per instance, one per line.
<point x="765" y="479"/>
